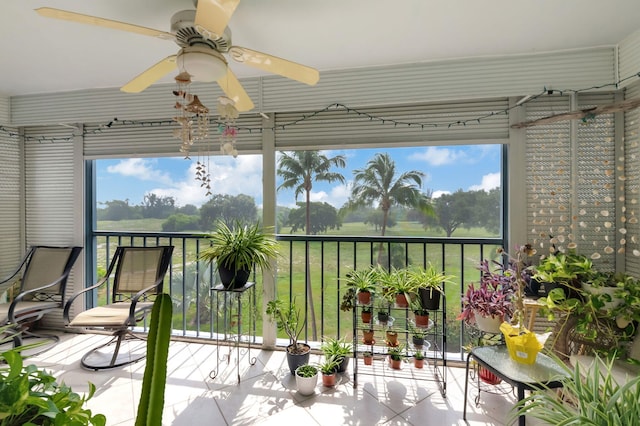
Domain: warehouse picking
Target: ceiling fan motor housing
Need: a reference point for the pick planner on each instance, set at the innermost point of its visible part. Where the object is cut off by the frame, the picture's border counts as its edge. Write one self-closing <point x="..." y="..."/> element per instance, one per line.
<point x="182" y="25"/>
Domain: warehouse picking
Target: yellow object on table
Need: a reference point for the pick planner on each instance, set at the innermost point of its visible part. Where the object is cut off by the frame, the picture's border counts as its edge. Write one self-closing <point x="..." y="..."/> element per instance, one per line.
<point x="522" y="344"/>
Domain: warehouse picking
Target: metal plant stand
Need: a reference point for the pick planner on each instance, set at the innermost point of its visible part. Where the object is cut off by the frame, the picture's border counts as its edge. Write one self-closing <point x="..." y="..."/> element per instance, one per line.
<point x="229" y="324"/>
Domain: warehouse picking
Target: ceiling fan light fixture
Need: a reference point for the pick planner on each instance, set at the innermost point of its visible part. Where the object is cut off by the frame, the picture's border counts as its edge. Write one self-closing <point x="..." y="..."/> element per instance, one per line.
<point x="202" y="63"/>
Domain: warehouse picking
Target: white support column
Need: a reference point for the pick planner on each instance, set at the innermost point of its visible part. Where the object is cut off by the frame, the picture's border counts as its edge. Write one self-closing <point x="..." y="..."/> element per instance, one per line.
<point x="268" y="219"/>
<point x="79" y="178"/>
<point x="517" y="177"/>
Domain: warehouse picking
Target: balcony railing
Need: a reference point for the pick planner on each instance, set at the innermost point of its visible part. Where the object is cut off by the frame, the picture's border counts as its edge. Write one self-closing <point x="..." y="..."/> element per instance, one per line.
<point x="322" y="261"/>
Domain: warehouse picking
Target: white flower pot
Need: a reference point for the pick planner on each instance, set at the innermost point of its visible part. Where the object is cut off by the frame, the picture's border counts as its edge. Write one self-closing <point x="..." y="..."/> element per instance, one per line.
<point x="488" y="324"/>
<point x="306" y="385"/>
<point x="615" y="301"/>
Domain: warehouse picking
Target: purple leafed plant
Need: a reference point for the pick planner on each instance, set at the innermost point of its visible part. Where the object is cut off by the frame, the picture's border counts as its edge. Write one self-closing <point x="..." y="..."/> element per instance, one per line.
<point x="492" y="296"/>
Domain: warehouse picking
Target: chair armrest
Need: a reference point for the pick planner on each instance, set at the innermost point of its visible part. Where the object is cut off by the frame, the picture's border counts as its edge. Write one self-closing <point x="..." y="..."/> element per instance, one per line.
<point x="67" y="306"/>
<point x="21" y="296"/>
<point x="138" y="295"/>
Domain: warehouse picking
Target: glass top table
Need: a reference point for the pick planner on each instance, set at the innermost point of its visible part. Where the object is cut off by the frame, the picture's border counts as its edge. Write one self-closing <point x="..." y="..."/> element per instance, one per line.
<point x="544" y="372"/>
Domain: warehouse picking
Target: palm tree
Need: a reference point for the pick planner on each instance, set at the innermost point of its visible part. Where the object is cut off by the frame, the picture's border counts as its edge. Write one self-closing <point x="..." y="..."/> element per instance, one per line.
<point x="378" y="183"/>
<point x="299" y="170"/>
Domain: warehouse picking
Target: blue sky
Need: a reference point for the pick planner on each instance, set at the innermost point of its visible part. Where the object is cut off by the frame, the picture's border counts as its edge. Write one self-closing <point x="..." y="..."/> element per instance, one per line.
<point x="446" y="169"/>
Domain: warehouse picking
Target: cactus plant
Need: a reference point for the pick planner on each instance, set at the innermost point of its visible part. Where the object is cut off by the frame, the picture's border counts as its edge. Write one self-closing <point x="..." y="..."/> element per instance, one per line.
<point x="155" y="372"/>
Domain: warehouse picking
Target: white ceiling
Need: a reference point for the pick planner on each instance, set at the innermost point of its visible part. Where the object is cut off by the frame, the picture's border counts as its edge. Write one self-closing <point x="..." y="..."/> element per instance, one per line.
<point x="39" y="55"/>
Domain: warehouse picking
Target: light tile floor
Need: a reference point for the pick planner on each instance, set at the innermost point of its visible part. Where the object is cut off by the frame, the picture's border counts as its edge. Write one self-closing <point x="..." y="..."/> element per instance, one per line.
<point x="266" y="394"/>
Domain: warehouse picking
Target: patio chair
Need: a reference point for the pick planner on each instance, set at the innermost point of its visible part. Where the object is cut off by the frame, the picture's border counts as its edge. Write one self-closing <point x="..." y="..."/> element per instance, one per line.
<point x="40" y="290"/>
<point x="138" y="275"/>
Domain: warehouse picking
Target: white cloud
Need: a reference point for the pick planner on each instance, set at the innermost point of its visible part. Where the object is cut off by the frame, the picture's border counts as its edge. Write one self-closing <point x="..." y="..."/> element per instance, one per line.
<point x="140" y="168"/>
<point x="233" y="176"/>
<point x="319" y="196"/>
<point x="490" y="181"/>
<point x="437" y="156"/>
<point x="439" y="193"/>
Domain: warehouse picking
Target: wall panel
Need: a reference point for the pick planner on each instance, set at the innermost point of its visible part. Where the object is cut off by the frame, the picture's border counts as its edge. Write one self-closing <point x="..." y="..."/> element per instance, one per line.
<point x="49" y="193"/>
<point x="11" y="249"/>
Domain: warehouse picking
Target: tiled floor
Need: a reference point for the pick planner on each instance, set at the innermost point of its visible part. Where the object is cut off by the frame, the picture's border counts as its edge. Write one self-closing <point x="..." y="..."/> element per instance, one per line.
<point x="266" y="394"/>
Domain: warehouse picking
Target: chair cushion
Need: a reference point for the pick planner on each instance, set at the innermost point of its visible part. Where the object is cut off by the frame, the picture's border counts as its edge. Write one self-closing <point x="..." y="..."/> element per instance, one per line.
<point x="109" y="316"/>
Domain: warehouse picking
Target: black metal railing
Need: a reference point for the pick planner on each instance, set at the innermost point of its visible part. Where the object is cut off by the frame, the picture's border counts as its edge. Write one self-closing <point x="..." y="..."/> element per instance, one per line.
<point x="321" y="261"/>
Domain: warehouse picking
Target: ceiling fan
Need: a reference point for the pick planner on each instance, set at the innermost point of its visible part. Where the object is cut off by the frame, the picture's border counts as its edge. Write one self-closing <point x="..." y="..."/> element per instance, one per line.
<point x="204" y="39"/>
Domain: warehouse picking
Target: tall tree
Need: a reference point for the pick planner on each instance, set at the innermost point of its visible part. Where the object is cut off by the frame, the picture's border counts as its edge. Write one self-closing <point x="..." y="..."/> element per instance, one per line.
<point x="228" y="208"/>
<point x="299" y="170"/>
<point x="158" y="207"/>
<point x="379" y="183"/>
<point x="453" y="211"/>
<point x="323" y="217"/>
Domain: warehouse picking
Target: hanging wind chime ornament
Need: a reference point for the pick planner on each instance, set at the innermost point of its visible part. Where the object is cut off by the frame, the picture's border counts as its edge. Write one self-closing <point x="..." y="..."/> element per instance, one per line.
<point x="193" y="119"/>
<point x="228" y="131"/>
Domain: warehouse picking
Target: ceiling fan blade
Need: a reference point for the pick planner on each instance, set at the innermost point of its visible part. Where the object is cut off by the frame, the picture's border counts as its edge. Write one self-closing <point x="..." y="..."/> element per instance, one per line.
<point x="151" y="75"/>
<point x="212" y="16"/>
<point x="234" y="90"/>
<point x="273" y="64"/>
<point x="49" y="12"/>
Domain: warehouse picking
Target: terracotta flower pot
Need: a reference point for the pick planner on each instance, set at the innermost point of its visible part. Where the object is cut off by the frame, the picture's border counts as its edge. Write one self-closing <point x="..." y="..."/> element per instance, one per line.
<point x="368" y="337"/>
<point x="392" y="338"/>
<point x="422" y="320"/>
<point x="364" y="297"/>
<point x="366" y="317"/>
<point x="401" y="300"/>
<point x="395" y="364"/>
<point x="368" y="359"/>
<point x="329" y="379"/>
<point x="418" y="363"/>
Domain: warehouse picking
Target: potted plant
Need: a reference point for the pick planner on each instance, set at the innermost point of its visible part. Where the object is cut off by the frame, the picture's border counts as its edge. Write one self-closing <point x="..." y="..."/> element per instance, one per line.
<point x="367" y="337"/>
<point x="392" y="338"/>
<point x="421" y="314"/>
<point x="338" y="349"/>
<point x="395" y="357"/>
<point x="306" y="379"/>
<point x="418" y="359"/>
<point x="30" y="395"/>
<point x="627" y="312"/>
<point x="367" y="357"/>
<point x="418" y="335"/>
<point x="383" y="311"/>
<point x="366" y="314"/>
<point x="288" y="319"/>
<point x="488" y="304"/>
<point x="236" y="250"/>
<point x="398" y="286"/>
<point x="596" y="398"/>
<point x="363" y="283"/>
<point x="429" y="284"/>
<point x="566" y="270"/>
<point x="603" y="314"/>
<point x="329" y="371"/>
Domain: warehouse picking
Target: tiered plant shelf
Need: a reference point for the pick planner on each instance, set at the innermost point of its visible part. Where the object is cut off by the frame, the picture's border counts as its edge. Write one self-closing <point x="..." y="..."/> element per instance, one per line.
<point x="401" y="320"/>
